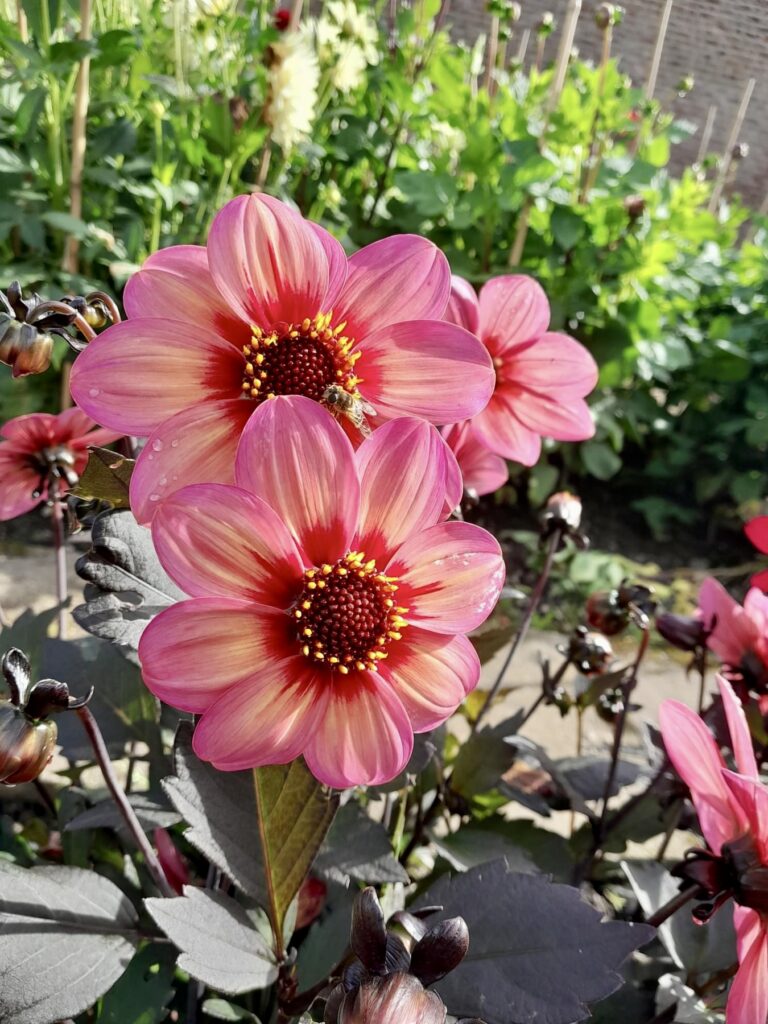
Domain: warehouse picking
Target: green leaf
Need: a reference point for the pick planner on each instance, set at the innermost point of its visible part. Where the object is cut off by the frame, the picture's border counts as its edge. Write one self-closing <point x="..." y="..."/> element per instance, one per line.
<point x="10" y="162"/>
<point x="144" y="991"/>
<point x="66" y="222"/>
<point x="568" y="228"/>
<point x="600" y="459"/>
<point x="295" y="814"/>
<point x="221" y="1009"/>
<point x="106" y="477"/>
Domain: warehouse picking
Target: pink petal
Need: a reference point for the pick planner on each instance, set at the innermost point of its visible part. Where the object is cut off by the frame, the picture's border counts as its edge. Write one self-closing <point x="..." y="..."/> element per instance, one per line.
<point x="426" y="368"/>
<point x="748" y="925"/>
<point x="555" y="364"/>
<point x="568" y="420"/>
<point x="194" y="651"/>
<point x="404" y="277"/>
<point x="757" y="532"/>
<point x="406" y="470"/>
<point x="431" y="674"/>
<point x="364" y="738"/>
<point x="141" y="372"/>
<point x="741" y="738"/>
<point x="18" y="481"/>
<point x="513" y="310"/>
<point x="748" y="996"/>
<point x="268" y="719"/>
<point x="750" y="795"/>
<point x="32" y="431"/>
<point x="196" y="445"/>
<point x="734" y="632"/>
<point x="95" y="439"/>
<point x="295" y="456"/>
<point x="337" y="264"/>
<point x="267" y="261"/>
<point x="215" y="540"/>
<point x="449" y="577"/>
<point x="177" y="283"/>
<point x="463" y="308"/>
<point x="72" y="424"/>
<point x="500" y="429"/>
<point x="482" y="470"/>
<point x="697" y="761"/>
<point x="760" y="580"/>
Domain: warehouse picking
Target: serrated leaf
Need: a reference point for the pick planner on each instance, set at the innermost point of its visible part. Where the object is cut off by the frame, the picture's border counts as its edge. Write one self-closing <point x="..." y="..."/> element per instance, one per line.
<point x="127" y="586"/>
<point x="66" y="936"/>
<point x="295" y="813"/>
<point x="220" y="809"/>
<point x="144" y="991"/>
<point x="219" y="944"/>
<point x="358" y="847"/>
<point x="538" y="952"/>
<point x="106" y="477"/>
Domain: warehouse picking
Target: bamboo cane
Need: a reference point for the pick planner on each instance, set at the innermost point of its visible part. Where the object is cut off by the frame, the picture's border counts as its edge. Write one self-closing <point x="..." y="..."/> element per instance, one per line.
<point x="522" y="49"/>
<point x="653" y="72"/>
<point x="564" y="53"/>
<point x="706" y="135"/>
<point x="733" y="138"/>
<point x="82" y="96"/>
<point x="493" y="49"/>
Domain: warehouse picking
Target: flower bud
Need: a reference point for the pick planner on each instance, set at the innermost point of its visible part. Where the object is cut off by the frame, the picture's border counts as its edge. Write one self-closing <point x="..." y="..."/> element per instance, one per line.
<point x="608" y="16"/>
<point x="312" y="896"/>
<point x="589" y="652"/>
<point x="685" y="85"/>
<point x="513" y="11"/>
<point x="562" y="512"/>
<point x="368" y="938"/>
<point x="282" y="19"/>
<point x="686" y="632"/>
<point x="26" y="340"/>
<point x="26" y="747"/>
<point x="634" y="206"/>
<point x="740" y="151"/>
<point x="750" y="874"/>
<point x="440" y="951"/>
<point x="604" y="612"/>
<point x="94" y="313"/>
<point x="546" y="24"/>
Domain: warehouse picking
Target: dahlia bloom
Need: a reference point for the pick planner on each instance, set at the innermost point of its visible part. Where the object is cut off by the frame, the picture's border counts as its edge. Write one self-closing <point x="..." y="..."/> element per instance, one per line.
<point x="328" y="597"/>
<point x="542" y="376"/>
<point x="757" y="532"/>
<point x="293" y="78"/>
<point x="273" y="306"/>
<point x="732" y="808"/>
<point x="40" y="445"/>
<point x="738" y="633"/>
<point x="482" y="470"/>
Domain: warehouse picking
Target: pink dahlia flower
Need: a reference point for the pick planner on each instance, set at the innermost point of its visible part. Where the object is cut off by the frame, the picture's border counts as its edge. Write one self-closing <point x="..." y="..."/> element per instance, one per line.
<point x="37" y="445"/>
<point x="542" y="376"/>
<point x="272" y="306"/>
<point x="328" y="597"/>
<point x="739" y="633"/>
<point x="732" y="808"/>
<point x="482" y="470"/>
<point x="757" y="532"/>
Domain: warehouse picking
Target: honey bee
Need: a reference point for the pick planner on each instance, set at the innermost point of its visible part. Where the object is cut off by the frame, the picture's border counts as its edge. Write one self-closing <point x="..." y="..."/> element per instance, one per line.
<point x="341" y="403"/>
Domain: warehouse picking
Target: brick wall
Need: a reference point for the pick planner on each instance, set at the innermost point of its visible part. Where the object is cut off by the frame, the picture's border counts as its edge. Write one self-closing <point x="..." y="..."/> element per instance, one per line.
<point x="721" y="42"/>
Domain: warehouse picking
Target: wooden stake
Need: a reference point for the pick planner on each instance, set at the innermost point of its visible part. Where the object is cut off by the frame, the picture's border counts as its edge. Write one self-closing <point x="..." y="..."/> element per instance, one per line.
<point x="733" y="138"/>
<point x="522" y="49"/>
<point x="653" y="73"/>
<point x="82" y="96"/>
<point x="564" y="53"/>
<point x="493" y="49"/>
<point x="706" y="135"/>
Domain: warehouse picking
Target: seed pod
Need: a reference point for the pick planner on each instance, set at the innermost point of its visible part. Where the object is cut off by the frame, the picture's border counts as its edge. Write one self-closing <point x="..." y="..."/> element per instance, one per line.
<point x="604" y="612"/>
<point x="26" y="747"/>
<point x="589" y="652"/>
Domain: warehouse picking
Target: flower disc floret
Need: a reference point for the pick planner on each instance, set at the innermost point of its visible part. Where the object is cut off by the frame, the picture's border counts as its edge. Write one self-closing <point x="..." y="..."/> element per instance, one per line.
<point x="346" y="615"/>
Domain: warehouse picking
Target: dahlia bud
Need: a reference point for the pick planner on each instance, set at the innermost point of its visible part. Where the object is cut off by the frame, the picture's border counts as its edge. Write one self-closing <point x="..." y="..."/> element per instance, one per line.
<point x="95" y="313"/>
<point x="610" y="704"/>
<point x="563" y="513"/>
<point x="686" y="632"/>
<point x="750" y="874"/>
<point x="312" y="897"/>
<point x="368" y="938"/>
<point x="546" y="25"/>
<point x="440" y="951"/>
<point x="608" y="16"/>
<point x="740" y="151"/>
<point x="605" y="613"/>
<point x="26" y="342"/>
<point x="634" y="206"/>
<point x="685" y="85"/>
<point x="591" y="653"/>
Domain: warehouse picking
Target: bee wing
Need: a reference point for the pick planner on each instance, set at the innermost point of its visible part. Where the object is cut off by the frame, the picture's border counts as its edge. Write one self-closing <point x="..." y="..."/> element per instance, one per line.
<point x="364" y="427"/>
<point x="367" y="408"/>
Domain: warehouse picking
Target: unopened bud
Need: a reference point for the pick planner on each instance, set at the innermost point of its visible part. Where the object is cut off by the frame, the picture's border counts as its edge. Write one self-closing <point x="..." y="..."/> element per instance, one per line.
<point x="25" y="747"/>
<point x="368" y="938"/>
<point x="604" y="16"/>
<point x="591" y="653"/>
<point x="546" y="24"/>
<point x="685" y="85"/>
<point x="311" y="899"/>
<point x="562" y="512"/>
<point x="94" y="313"/>
<point x="605" y="613"/>
<point x="440" y="951"/>
<point x="686" y="632"/>
<point x="740" y="151"/>
<point x="282" y="19"/>
<point x="635" y="206"/>
<point x="513" y="11"/>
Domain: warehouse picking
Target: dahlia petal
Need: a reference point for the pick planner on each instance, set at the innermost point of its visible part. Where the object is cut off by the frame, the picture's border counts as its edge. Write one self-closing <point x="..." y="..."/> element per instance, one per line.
<point x="294" y="455"/>
<point x="431" y="674"/>
<point x="267" y="261"/>
<point x="463" y="307"/>
<point x="752" y="797"/>
<point x="450" y="577"/>
<point x="196" y="445"/>
<point x="741" y="738"/>
<point x="555" y="364"/>
<point x="760" y="580"/>
<point x="426" y="368"/>
<point x="31" y="431"/>
<point x="72" y="424"/>
<point x="94" y="439"/>
<point x="268" y="719"/>
<point x="748" y="995"/>
<point x="176" y="282"/>
<point x="733" y="632"/>
<point x="406" y="471"/>
<point x="757" y="533"/>
<point x="482" y="470"/>
<point x="513" y="310"/>
<point x="564" y="420"/>
<point x="697" y="761"/>
<point x="215" y="540"/>
<point x="748" y="926"/>
<point x="17" y="484"/>
<point x="500" y="429"/>
<point x="194" y="651"/>
<point x="364" y="737"/>
<point x="404" y="277"/>
<point x="141" y="372"/>
<point x="337" y="264"/>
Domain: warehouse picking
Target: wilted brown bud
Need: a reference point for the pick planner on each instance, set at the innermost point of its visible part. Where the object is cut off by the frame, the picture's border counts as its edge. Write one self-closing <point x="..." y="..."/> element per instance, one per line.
<point x="686" y="632"/>
<point x="26" y="339"/>
<point x="635" y="207"/>
<point x="604" y="612"/>
<point x="562" y="513"/>
<point x="607" y="15"/>
<point x="591" y="653"/>
<point x="399" y="998"/>
<point x="239" y="111"/>
<point x="440" y="951"/>
<point x="25" y="747"/>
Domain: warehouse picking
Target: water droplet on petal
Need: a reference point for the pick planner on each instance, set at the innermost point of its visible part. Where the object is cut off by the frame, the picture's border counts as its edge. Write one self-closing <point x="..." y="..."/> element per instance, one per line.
<point x="175" y="443"/>
<point x="94" y="392"/>
<point x="150" y="457"/>
<point x="157" y="445"/>
<point x="154" y="497"/>
<point x="164" y="481"/>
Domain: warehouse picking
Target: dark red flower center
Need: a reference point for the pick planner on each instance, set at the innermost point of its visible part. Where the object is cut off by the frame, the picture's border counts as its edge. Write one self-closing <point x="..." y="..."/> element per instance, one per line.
<point x="299" y="359"/>
<point x="346" y="616"/>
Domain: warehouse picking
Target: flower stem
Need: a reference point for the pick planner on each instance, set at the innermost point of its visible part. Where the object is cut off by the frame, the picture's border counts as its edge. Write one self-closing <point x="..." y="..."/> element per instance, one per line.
<point x="60" y="555"/>
<point x="129" y="815"/>
<point x="536" y="595"/>
<point x="672" y="906"/>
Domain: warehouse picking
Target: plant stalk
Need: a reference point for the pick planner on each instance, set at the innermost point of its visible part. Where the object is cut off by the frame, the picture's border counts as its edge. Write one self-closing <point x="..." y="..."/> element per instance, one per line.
<point x="79" y="121"/>
<point x="154" y="866"/>
<point x="672" y="906"/>
<point x="60" y="556"/>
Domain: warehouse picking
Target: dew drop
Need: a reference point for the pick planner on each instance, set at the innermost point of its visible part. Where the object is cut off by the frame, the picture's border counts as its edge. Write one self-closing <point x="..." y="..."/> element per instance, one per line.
<point x="150" y="457"/>
<point x="175" y="443"/>
<point x="157" y="445"/>
<point x="175" y="476"/>
<point x="164" y="481"/>
<point x="94" y="392"/>
<point x="154" y="497"/>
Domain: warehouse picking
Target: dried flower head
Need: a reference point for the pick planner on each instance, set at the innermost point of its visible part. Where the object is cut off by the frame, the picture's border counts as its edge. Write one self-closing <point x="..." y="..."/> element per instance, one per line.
<point x="27" y="334"/>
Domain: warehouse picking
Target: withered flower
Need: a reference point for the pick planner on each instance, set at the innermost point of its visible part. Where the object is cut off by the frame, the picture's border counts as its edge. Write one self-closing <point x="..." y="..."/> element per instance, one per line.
<point x="562" y="513"/>
<point x="27" y="734"/>
<point x="27" y="332"/>
<point x="591" y="653"/>
<point x="611" y="611"/>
